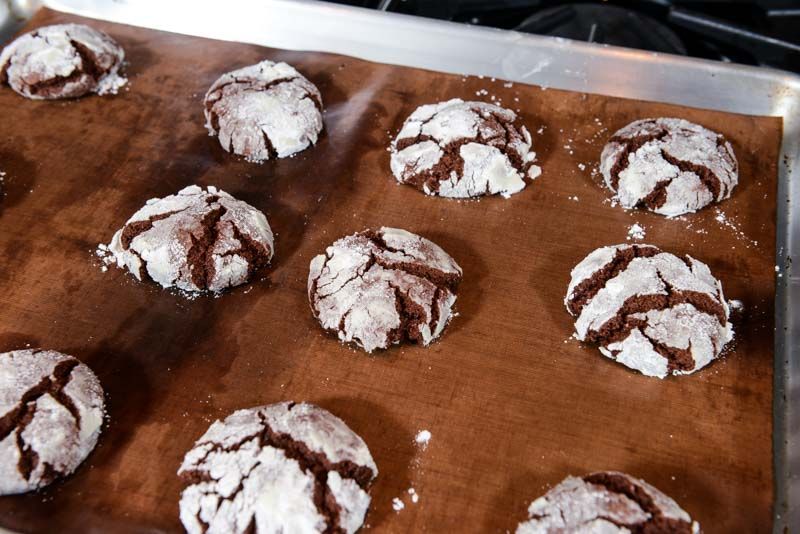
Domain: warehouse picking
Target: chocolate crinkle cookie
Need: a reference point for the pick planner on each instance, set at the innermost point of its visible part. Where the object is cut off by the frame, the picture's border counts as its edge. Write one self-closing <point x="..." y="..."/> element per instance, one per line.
<point x="51" y="414"/>
<point x="650" y="310"/>
<point x="463" y="149"/>
<point x="197" y="240"/>
<point x="281" y="468"/>
<point x="62" y="61"/>
<point x="264" y="111"/>
<point x="669" y="166"/>
<point x="607" y="502"/>
<point x="378" y="288"/>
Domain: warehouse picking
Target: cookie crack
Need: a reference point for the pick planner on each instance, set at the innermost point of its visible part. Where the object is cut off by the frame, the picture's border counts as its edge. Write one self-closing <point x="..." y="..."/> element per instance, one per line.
<point x="256" y="255"/>
<point x="657" y="196"/>
<point x="657" y="522"/>
<point x="143" y="274"/>
<point x="88" y="67"/>
<point x="200" y="257"/>
<point x="438" y="278"/>
<point x="706" y="176"/>
<point x="318" y="465"/>
<point x="19" y="417"/>
<point x="619" y="327"/>
<point x="586" y="290"/>
<point x="89" y="63"/>
<point x="504" y="133"/>
<point x="271" y="152"/>
<point x="630" y="146"/>
<point x="411" y="314"/>
<point x="315" y="463"/>
<point x="238" y="85"/>
<point x="133" y="229"/>
<point x="360" y="272"/>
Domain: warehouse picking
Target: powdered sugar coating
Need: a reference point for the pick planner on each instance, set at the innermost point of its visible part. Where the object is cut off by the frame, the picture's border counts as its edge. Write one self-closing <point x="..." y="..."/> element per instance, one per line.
<point x="463" y="149"/>
<point x="670" y="166"/>
<point x="57" y="426"/>
<point x="62" y="61"/>
<point x="261" y="468"/>
<point x="605" y="503"/>
<point x="378" y="288"/>
<point x="264" y="111"/>
<point x="196" y="240"/>
<point x="649" y="310"/>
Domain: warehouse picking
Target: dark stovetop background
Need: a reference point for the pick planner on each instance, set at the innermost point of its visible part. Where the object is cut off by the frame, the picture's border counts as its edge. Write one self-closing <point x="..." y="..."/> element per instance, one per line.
<point x="755" y="32"/>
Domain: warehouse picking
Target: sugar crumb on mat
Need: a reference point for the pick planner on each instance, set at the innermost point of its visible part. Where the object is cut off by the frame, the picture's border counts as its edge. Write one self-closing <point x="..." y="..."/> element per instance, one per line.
<point x="422" y="438"/>
<point x="636" y="231"/>
<point x="397" y="504"/>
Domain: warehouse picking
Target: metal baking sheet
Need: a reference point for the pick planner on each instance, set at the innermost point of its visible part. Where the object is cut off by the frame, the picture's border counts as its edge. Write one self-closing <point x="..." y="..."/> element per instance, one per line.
<point x="550" y="62"/>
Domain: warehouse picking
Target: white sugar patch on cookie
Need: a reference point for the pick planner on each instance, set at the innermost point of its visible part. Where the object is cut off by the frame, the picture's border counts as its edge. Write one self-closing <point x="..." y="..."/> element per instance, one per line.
<point x="53" y="407"/>
<point x="669" y="166"/>
<point x="379" y="288"/>
<point x="51" y="62"/>
<point x="197" y="240"/>
<point x="265" y="465"/>
<point x="605" y="502"/>
<point x="463" y="149"/>
<point x="649" y="310"/>
<point x="264" y="111"/>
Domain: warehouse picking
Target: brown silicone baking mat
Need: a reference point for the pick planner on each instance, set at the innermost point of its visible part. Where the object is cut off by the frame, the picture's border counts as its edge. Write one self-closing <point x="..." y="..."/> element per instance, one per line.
<point x="512" y="403"/>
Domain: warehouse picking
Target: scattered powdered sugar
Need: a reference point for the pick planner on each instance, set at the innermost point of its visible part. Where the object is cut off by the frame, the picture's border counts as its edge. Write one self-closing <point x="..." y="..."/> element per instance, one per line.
<point x="581" y="166"/>
<point x="726" y="221"/>
<point x="574" y="198"/>
<point x="422" y="439"/>
<point x="397" y="504"/>
<point x="105" y="256"/>
<point x="736" y="305"/>
<point x="111" y="84"/>
<point x="636" y="231"/>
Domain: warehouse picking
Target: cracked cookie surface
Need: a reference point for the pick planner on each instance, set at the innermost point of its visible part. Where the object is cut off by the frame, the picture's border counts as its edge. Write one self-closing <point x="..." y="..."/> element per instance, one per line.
<point x="463" y="149"/>
<point x="62" y="61"/>
<point x="264" y="111"/>
<point x="197" y="240"/>
<point x="669" y="166"/>
<point x="649" y="310"/>
<point x="378" y="288"/>
<point x="606" y="502"/>
<point x="51" y="414"/>
<point x="280" y="468"/>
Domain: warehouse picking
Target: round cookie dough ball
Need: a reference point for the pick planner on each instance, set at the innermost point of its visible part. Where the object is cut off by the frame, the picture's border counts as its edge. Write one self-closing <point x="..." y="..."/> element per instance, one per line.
<point x="197" y="240"/>
<point x="51" y="413"/>
<point x="281" y="468"/>
<point x="378" y="288"/>
<point x="264" y="111"/>
<point x="607" y="502"/>
<point x="62" y="61"/>
<point x="463" y="149"/>
<point x="669" y="166"/>
<point x="649" y="310"/>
